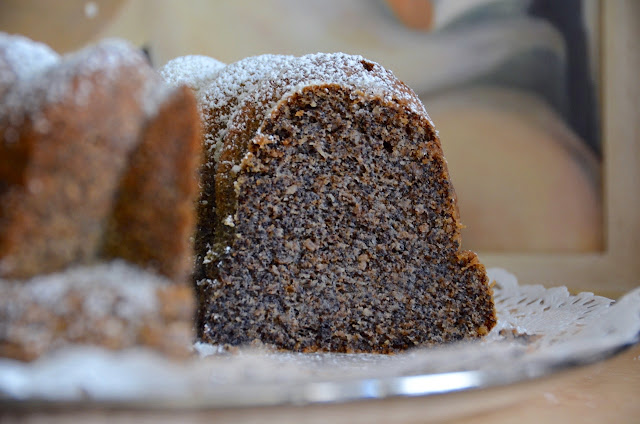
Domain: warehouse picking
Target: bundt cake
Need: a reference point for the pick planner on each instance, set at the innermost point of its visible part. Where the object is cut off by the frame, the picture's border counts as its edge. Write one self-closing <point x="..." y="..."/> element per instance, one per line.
<point x="99" y="160"/>
<point x="327" y="219"/>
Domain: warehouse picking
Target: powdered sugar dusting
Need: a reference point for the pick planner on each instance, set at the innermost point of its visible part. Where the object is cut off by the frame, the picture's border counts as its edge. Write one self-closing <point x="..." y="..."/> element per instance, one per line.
<point x="108" y="58"/>
<point x="100" y="286"/>
<point x="261" y="82"/>
<point x="231" y="88"/>
<point x="108" y="303"/>
<point x="21" y="58"/>
<point x="74" y="79"/>
<point x="194" y="71"/>
<point x="109" y="54"/>
<point x="155" y="94"/>
<point x="224" y="92"/>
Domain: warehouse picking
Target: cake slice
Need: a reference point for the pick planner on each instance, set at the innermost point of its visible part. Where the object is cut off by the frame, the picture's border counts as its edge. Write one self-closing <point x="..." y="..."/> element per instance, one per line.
<point x="328" y="221"/>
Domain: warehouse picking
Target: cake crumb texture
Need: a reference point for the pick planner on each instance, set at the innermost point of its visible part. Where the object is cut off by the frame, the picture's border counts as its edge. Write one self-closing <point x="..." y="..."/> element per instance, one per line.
<point x="327" y="220"/>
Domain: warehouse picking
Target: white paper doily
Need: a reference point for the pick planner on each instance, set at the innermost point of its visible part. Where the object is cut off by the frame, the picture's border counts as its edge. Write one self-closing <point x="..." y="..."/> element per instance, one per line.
<point x="539" y="332"/>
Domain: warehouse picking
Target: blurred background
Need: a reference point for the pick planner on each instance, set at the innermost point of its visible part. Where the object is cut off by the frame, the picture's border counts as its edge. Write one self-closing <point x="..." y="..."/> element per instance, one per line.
<point x="512" y="86"/>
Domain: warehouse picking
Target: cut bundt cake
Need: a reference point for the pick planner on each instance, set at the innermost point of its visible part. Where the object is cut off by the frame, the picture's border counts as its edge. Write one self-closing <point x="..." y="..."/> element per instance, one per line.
<point x="327" y="219"/>
<point x="99" y="160"/>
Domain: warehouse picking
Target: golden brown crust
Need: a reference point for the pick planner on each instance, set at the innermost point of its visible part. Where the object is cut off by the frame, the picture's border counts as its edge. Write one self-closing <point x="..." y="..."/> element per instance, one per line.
<point x="153" y="218"/>
<point x="97" y="141"/>
<point x="63" y="161"/>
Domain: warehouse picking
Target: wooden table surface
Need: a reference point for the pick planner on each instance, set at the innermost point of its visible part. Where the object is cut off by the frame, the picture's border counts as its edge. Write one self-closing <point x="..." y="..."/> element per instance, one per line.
<point x="607" y="391"/>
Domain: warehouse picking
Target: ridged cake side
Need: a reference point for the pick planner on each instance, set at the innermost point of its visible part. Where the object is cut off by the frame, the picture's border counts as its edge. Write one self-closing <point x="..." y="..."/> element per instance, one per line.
<point x="99" y="154"/>
<point x="98" y="177"/>
<point x="66" y="134"/>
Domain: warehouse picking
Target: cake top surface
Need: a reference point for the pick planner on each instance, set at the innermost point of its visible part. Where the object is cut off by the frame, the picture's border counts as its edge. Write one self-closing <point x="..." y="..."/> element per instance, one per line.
<point x="289" y="73"/>
<point x="20" y="57"/>
<point x="194" y="71"/>
<point x="264" y="80"/>
<point x="75" y="78"/>
<point x="105" y="56"/>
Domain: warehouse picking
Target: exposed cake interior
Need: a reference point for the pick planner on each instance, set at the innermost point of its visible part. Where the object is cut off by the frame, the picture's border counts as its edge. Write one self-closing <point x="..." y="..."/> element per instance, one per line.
<point x="342" y="235"/>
